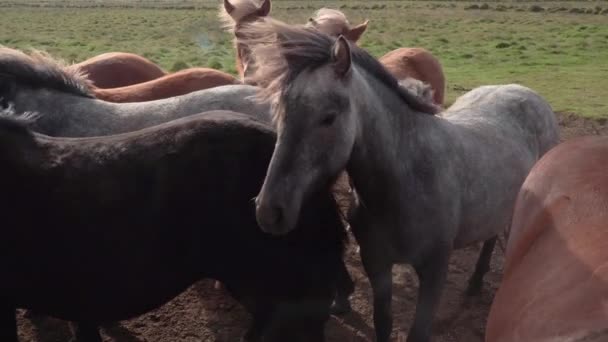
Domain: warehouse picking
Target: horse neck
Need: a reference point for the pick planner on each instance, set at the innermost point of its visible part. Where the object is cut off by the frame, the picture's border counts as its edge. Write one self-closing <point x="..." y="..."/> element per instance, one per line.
<point x="238" y="61"/>
<point x="87" y="117"/>
<point x="388" y="130"/>
<point x="59" y="107"/>
<point x="20" y="154"/>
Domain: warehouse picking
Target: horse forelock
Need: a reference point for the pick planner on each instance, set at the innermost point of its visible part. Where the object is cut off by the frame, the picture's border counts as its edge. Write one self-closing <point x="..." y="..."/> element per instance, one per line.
<point x="283" y="51"/>
<point x="329" y="21"/>
<point x="40" y="70"/>
<point x="242" y="9"/>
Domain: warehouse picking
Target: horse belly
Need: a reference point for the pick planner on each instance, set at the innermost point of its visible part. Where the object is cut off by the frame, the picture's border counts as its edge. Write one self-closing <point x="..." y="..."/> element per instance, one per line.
<point x="489" y="195"/>
<point x="101" y="283"/>
<point x="108" y="300"/>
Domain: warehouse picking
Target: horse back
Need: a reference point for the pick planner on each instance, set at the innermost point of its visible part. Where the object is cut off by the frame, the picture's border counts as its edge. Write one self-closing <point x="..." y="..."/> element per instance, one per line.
<point x="508" y="112"/>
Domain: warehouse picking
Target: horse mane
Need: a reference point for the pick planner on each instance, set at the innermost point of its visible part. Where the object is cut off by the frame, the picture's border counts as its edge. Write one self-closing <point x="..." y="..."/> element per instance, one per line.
<point x="242" y="8"/>
<point x="40" y="70"/>
<point x="329" y="21"/>
<point x="418" y="87"/>
<point x="283" y="51"/>
<point x="17" y="123"/>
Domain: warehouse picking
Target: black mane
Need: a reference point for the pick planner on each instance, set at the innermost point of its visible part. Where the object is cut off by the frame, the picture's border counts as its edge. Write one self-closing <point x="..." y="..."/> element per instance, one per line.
<point x="38" y="70"/>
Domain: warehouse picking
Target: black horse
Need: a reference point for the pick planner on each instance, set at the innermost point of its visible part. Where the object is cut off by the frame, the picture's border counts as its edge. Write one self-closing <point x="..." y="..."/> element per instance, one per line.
<point x="106" y="228"/>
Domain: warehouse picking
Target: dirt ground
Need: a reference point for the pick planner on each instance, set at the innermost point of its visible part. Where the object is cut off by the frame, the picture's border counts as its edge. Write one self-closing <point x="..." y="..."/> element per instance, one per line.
<point x="203" y="313"/>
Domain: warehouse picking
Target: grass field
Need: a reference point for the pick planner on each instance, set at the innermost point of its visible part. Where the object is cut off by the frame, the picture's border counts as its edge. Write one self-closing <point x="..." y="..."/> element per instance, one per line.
<point x="562" y="55"/>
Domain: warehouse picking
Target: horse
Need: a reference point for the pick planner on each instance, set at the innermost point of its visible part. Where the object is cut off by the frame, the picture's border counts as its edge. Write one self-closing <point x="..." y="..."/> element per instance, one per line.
<point x="335" y="23"/>
<point x="118" y="69"/>
<point x="37" y="83"/>
<point x="420" y="64"/>
<point x="414" y="62"/>
<point x="108" y="228"/>
<point x="555" y="280"/>
<point x="426" y="184"/>
<point x="235" y="13"/>
<point x="170" y="85"/>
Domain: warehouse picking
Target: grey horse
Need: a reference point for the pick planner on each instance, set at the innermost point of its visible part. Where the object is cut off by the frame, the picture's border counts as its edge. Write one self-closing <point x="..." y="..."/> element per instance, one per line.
<point x="37" y="83"/>
<point x="427" y="184"/>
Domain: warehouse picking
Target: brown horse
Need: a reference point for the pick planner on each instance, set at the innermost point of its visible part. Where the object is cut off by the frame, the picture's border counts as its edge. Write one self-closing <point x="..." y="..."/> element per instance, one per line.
<point x="417" y="63"/>
<point x="555" y="283"/>
<point x="235" y="13"/>
<point x="175" y="84"/>
<point x="335" y="23"/>
<point x="413" y="62"/>
<point x="119" y="69"/>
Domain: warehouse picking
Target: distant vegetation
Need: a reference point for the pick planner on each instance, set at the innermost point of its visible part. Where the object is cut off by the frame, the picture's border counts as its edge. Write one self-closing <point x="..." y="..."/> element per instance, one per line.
<point x="557" y="48"/>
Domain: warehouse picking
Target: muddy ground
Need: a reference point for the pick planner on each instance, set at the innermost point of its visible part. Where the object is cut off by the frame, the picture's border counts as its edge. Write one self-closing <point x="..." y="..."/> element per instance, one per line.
<point x="203" y="313"/>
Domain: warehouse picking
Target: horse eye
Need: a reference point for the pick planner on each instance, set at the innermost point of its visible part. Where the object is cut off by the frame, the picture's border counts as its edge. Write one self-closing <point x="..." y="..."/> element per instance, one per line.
<point x="328" y="119"/>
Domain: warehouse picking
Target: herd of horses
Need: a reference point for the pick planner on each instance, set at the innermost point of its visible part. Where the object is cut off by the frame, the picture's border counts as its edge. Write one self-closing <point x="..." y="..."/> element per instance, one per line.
<point x="123" y="185"/>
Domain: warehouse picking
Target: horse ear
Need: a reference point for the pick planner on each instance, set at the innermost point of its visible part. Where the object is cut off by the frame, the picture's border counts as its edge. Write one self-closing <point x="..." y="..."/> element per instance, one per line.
<point x="341" y="56"/>
<point x="355" y="33"/>
<point x="228" y="6"/>
<point x="264" y="10"/>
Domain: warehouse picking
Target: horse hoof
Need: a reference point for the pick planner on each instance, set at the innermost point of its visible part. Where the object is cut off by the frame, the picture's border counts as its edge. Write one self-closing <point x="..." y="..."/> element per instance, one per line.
<point x="339" y="308"/>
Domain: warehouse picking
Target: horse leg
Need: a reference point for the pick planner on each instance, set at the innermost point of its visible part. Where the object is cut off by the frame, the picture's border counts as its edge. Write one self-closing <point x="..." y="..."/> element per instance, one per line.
<point x="482" y="267"/>
<point x="381" y="280"/>
<point x="8" y="324"/>
<point x="345" y="287"/>
<point x="431" y="274"/>
<point x="260" y="321"/>
<point x="86" y="332"/>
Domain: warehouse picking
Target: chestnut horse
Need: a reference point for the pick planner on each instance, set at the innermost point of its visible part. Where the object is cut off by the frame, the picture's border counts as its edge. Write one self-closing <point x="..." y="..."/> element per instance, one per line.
<point x="417" y="63"/>
<point x="119" y="69"/>
<point x="175" y="84"/>
<point x="555" y="283"/>
<point x="412" y="62"/>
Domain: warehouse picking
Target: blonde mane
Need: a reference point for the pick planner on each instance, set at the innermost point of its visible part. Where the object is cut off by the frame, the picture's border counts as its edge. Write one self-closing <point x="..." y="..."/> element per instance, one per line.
<point x="242" y="9"/>
<point x="40" y="70"/>
<point x="329" y="21"/>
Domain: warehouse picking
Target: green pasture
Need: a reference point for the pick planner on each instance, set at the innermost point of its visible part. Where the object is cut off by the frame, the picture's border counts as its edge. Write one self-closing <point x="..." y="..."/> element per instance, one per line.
<point x="559" y="49"/>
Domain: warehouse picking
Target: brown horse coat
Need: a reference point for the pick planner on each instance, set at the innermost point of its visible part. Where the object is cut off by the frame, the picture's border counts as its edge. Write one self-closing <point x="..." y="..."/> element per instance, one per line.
<point x="119" y="69"/>
<point x="175" y="84"/>
<point x="555" y="283"/>
<point x="417" y="63"/>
